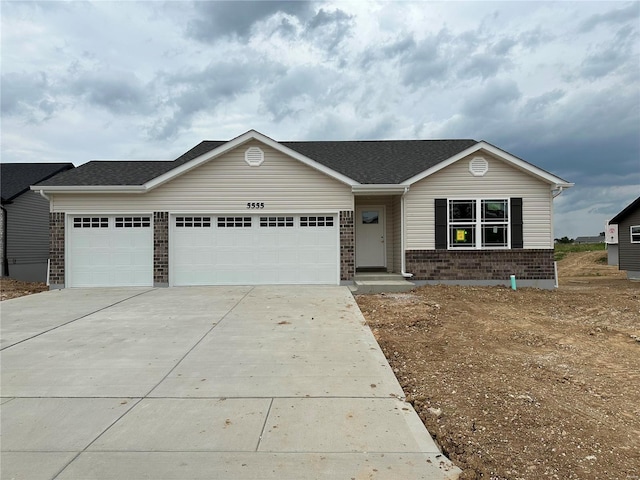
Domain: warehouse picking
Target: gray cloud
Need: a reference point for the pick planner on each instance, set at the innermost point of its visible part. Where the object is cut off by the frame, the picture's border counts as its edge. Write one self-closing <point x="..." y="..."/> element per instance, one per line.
<point x="23" y="91"/>
<point x="204" y="90"/>
<point x="611" y="56"/>
<point x="539" y="106"/>
<point x="630" y="13"/>
<point x="491" y="98"/>
<point x="387" y="51"/>
<point x="329" y="28"/>
<point x="427" y="62"/>
<point x="482" y="65"/>
<point x="117" y="91"/>
<point x="218" y="19"/>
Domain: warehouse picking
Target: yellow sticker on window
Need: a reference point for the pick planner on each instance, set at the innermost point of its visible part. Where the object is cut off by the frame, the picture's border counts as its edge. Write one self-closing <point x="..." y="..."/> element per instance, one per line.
<point x="461" y="235"/>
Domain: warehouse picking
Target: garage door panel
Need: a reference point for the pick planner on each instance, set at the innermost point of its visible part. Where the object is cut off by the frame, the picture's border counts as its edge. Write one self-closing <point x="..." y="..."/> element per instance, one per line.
<point x="103" y="254"/>
<point x="254" y="249"/>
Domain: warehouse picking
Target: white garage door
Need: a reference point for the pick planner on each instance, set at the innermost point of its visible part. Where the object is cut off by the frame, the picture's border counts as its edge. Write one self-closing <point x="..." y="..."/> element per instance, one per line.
<point x="254" y="249"/>
<point x="109" y="251"/>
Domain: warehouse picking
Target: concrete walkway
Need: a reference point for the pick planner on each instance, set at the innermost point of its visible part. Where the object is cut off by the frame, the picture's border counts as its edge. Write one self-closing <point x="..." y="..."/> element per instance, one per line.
<point x="203" y="383"/>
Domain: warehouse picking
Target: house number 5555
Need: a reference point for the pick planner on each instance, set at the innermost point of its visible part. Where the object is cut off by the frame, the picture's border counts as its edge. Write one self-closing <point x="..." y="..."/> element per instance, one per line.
<point x="255" y="204"/>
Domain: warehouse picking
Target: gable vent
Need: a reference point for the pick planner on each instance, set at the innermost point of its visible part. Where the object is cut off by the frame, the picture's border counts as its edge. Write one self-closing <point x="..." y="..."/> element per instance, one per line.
<point x="478" y="166"/>
<point x="254" y="156"/>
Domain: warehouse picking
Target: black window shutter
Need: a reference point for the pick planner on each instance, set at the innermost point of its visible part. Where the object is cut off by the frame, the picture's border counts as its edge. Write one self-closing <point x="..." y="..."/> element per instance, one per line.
<point x="441" y="223"/>
<point x="516" y="223"/>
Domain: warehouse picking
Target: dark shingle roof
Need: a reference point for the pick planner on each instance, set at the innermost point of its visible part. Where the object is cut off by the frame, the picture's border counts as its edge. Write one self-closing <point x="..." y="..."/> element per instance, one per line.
<point x="18" y="177"/>
<point x="382" y="161"/>
<point x="367" y="162"/>
<point x="626" y="211"/>
<point x="125" y="172"/>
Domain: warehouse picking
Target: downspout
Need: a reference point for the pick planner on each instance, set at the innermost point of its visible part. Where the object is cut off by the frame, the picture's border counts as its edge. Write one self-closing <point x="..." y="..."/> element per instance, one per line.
<point x="402" y="243"/>
<point x="559" y="191"/>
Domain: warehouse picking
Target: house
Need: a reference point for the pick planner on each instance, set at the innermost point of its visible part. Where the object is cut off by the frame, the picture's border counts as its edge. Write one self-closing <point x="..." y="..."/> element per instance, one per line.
<point x="24" y="220"/>
<point x="593" y="239"/>
<point x="628" y="230"/>
<point x="252" y="210"/>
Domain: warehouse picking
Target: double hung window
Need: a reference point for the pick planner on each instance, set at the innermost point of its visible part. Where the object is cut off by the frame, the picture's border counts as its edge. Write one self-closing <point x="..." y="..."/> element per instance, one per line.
<point x="478" y="223"/>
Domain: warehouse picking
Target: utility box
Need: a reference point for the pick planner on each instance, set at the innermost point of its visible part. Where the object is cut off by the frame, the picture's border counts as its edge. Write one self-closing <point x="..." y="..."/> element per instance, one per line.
<point x="611" y="239"/>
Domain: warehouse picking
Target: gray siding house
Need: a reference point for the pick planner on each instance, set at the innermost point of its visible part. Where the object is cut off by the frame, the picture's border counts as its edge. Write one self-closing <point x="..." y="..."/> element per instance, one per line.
<point x="24" y="220"/>
<point x="252" y="210"/>
<point x="628" y="221"/>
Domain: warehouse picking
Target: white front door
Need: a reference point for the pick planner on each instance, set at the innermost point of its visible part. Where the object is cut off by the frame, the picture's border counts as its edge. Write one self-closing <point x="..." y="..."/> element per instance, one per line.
<point x="370" y="238"/>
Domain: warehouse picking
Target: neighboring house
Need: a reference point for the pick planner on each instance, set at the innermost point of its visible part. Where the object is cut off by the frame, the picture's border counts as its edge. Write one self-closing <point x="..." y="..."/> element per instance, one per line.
<point x="256" y="211"/>
<point x="598" y="239"/>
<point x="24" y="220"/>
<point x="628" y="222"/>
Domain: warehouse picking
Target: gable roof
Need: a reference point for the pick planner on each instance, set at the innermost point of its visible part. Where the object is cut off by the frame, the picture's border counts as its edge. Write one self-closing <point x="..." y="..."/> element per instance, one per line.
<point x="628" y="210"/>
<point x="16" y="178"/>
<point x="356" y="163"/>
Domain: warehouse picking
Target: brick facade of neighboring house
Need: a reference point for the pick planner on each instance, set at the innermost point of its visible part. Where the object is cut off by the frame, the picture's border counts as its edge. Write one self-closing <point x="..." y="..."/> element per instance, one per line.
<point x="347" y="245"/>
<point x="449" y="265"/>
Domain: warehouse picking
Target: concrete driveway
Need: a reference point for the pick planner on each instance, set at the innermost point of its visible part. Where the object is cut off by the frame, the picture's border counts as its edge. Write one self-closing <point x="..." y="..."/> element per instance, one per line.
<point x="202" y="383"/>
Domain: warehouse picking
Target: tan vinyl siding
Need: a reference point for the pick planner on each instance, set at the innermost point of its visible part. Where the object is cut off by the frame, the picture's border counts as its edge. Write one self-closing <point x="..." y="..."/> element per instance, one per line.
<point x="397" y="232"/>
<point x="501" y="181"/>
<point x="225" y="185"/>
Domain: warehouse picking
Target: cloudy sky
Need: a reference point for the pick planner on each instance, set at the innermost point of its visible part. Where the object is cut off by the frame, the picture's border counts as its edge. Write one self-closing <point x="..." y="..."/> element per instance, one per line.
<point x="557" y="84"/>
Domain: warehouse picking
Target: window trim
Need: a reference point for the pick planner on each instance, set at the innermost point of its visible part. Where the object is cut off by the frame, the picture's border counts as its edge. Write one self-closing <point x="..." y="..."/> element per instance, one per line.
<point x="631" y="234"/>
<point x="478" y="223"/>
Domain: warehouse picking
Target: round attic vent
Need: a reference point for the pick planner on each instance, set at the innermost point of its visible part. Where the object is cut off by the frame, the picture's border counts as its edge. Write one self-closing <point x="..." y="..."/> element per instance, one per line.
<point x="478" y="166"/>
<point x="254" y="156"/>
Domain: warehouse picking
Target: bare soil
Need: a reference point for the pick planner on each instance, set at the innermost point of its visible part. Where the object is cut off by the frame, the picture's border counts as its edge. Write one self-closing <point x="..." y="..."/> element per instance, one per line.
<point x="525" y="384"/>
<point x="10" y="288"/>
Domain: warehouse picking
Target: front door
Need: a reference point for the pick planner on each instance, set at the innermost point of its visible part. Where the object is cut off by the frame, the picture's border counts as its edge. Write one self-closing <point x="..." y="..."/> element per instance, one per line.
<point x="370" y="238"/>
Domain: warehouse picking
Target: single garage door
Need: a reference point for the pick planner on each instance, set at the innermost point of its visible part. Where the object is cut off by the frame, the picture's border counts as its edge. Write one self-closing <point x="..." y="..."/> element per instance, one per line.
<point x="254" y="249"/>
<point x="109" y="251"/>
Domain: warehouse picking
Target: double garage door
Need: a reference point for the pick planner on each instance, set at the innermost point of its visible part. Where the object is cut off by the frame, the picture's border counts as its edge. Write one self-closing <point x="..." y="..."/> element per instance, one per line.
<point x="205" y="250"/>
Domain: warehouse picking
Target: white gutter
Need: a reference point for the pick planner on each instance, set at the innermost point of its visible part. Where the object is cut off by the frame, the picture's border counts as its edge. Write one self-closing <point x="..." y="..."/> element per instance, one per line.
<point x="91" y="189"/>
<point x="559" y="189"/>
<point x="402" y="243"/>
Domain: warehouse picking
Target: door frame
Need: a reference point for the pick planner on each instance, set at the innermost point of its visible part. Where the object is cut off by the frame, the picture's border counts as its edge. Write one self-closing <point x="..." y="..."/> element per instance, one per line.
<point x="383" y="222"/>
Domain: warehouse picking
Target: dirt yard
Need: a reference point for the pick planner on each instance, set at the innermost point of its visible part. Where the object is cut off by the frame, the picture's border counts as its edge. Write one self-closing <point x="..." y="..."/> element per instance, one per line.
<point x="525" y="384"/>
<point x="10" y="288"/>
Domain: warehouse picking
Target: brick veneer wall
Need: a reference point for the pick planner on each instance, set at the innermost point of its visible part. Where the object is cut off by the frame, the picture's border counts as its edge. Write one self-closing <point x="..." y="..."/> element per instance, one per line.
<point x="480" y="265"/>
<point x="347" y="245"/>
<point x="56" y="249"/>
<point x="161" y="249"/>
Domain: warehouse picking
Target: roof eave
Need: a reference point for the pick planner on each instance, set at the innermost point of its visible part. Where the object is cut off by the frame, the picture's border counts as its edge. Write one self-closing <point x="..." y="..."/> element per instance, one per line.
<point x="89" y="189"/>
<point x="625" y="211"/>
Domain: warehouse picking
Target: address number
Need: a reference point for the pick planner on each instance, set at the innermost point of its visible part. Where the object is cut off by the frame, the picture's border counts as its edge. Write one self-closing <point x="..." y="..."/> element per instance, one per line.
<point x="255" y="205"/>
